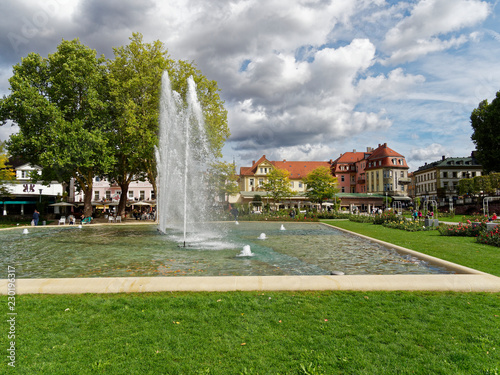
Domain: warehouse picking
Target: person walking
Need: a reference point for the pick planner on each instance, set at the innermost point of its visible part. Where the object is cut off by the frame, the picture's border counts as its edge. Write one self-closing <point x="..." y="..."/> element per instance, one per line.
<point x="36" y="217"/>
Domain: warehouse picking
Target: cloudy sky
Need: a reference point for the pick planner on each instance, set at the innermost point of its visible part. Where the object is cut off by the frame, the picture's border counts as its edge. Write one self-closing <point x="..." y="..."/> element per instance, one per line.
<point x="301" y="79"/>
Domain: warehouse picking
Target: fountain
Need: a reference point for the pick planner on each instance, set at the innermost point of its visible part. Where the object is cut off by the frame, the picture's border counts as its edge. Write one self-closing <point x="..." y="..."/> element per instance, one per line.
<point x="282" y="227"/>
<point x="246" y="252"/>
<point x="262" y="236"/>
<point x="25" y="231"/>
<point x="182" y="158"/>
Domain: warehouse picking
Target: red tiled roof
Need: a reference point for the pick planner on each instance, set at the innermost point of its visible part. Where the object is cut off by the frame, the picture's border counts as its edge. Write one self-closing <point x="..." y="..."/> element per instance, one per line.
<point x="297" y="169"/>
<point x="382" y="151"/>
<point x="350" y="157"/>
<point x="300" y="169"/>
<point x="385" y="155"/>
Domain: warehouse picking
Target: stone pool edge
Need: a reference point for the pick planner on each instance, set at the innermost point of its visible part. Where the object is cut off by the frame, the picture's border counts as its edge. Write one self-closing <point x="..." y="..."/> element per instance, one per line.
<point x="440" y="282"/>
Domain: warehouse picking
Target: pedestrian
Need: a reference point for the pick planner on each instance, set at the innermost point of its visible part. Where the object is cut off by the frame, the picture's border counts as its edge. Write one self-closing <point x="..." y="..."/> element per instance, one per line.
<point x="36" y="217"/>
<point x="419" y="215"/>
<point x="494" y="217"/>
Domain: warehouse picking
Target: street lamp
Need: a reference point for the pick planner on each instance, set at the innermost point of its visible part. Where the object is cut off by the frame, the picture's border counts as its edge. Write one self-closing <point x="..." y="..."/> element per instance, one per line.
<point x="40" y="190"/>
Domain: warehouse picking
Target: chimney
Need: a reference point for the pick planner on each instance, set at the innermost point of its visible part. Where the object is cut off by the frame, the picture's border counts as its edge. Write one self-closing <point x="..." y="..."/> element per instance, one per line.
<point x="354" y="150"/>
<point x="443" y="157"/>
<point x="385" y="145"/>
<point x="284" y="160"/>
<point x="253" y="162"/>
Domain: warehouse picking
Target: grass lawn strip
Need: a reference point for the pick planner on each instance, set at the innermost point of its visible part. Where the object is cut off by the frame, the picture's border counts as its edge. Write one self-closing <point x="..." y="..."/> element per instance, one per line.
<point x="260" y="333"/>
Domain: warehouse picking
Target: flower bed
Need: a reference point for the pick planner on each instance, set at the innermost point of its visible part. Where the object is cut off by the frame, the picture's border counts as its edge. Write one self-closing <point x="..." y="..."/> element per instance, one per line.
<point x="409" y="226"/>
<point x="463" y="230"/>
<point x="490" y="237"/>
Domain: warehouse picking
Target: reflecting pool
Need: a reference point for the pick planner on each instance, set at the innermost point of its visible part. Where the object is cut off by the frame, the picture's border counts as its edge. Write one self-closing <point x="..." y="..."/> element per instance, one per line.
<point x="140" y="250"/>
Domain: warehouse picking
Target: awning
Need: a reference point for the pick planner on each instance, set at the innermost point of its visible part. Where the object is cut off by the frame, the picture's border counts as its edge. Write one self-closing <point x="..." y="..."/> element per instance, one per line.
<point x="396" y="198"/>
<point x="18" y="202"/>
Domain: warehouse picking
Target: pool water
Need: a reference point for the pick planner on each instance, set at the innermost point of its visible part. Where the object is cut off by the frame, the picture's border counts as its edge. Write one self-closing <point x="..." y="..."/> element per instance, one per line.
<point x="140" y="250"/>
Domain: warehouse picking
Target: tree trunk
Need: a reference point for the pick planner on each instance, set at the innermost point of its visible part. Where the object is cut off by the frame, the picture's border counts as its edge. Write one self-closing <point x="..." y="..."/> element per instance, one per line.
<point x="87" y="201"/>
<point x="123" y="198"/>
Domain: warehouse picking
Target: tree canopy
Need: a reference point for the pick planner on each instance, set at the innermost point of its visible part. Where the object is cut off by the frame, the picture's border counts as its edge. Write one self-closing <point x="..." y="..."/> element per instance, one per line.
<point x="321" y="185"/>
<point x="6" y="172"/>
<point x="485" y="121"/>
<point x="82" y="116"/>
<point x="278" y="184"/>
<point x="223" y="180"/>
<point x="61" y="105"/>
<point x="135" y="81"/>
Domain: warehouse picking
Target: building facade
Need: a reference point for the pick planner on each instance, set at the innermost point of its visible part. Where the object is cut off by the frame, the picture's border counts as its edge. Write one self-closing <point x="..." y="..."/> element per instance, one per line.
<point x="387" y="173"/>
<point x="439" y="180"/>
<point x="253" y="178"/>
<point x="24" y="194"/>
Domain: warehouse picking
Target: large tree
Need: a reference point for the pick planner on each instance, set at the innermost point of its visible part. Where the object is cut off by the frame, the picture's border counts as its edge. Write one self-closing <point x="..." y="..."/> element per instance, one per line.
<point x="320" y="185"/>
<point x="61" y="106"/>
<point x="485" y="121"/>
<point x="135" y="77"/>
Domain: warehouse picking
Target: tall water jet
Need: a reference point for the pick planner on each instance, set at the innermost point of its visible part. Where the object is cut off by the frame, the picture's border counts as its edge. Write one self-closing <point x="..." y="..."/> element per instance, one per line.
<point x="182" y="157"/>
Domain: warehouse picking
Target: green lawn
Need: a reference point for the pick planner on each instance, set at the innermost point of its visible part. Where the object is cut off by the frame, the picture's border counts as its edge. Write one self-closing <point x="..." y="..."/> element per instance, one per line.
<point x="259" y="333"/>
<point x="270" y="333"/>
<point x="461" y="250"/>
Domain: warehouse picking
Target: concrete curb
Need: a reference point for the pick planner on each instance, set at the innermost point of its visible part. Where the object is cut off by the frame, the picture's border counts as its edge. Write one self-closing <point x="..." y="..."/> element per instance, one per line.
<point x="455" y="283"/>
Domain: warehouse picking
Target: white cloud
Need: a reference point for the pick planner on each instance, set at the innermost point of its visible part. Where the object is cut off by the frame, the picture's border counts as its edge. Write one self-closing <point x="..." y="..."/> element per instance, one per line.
<point x="420" y="33"/>
<point x="433" y="151"/>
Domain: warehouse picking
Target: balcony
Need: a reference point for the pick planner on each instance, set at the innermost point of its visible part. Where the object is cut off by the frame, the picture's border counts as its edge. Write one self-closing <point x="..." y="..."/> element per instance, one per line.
<point x="404" y="181"/>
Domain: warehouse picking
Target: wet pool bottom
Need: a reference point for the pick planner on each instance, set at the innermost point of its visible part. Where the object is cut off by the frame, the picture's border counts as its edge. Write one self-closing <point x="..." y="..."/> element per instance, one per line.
<point x="132" y="251"/>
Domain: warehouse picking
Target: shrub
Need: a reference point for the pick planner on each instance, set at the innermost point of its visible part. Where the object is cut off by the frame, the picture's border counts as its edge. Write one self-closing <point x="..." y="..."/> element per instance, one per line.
<point x="361" y="218"/>
<point x="409" y="226"/>
<point x="491" y="237"/>
<point x="385" y="217"/>
<point x="463" y="230"/>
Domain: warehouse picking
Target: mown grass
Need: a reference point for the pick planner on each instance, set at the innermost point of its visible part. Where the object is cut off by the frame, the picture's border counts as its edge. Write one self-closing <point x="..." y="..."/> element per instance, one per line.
<point x="461" y="250"/>
<point x="259" y="333"/>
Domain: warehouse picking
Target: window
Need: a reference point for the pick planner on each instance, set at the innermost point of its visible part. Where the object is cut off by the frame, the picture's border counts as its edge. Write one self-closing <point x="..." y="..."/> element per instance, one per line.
<point x="291" y="184"/>
<point x="251" y="182"/>
<point x="473" y="174"/>
<point x="142" y="193"/>
<point x="343" y="189"/>
<point x="261" y="181"/>
<point x="455" y="175"/>
<point x="342" y="178"/>
<point x="131" y="194"/>
<point x="153" y="195"/>
<point x="108" y="194"/>
<point x="402" y="174"/>
<point x="96" y="195"/>
<point x="97" y="179"/>
<point x="445" y="174"/>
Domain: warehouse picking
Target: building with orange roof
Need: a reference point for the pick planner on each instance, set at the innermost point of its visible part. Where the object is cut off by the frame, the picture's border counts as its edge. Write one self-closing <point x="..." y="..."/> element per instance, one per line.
<point x="349" y="168"/>
<point x="251" y="179"/>
<point x="364" y="178"/>
<point x="387" y="173"/>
